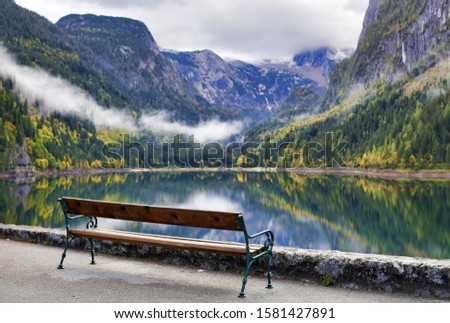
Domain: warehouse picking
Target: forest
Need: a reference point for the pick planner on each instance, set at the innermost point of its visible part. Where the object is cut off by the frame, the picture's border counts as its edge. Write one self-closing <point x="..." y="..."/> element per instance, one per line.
<point x="52" y="141"/>
<point x="388" y="131"/>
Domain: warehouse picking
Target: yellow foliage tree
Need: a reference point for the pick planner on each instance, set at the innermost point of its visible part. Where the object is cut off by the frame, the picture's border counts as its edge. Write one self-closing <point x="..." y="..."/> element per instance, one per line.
<point x="42" y="163"/>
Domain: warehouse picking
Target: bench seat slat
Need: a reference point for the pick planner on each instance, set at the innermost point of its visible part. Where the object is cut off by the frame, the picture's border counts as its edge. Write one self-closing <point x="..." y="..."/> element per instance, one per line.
<point x="252" y="246"/>
<point x="169" y="242"/>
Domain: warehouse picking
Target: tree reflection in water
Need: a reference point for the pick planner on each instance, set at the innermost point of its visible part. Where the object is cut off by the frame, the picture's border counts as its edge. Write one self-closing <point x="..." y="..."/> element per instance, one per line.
<point x="347" y="213"/>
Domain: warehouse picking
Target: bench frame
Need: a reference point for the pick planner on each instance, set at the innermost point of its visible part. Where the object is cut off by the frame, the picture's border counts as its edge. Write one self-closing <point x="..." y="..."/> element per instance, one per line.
<point x="92" y="223"/>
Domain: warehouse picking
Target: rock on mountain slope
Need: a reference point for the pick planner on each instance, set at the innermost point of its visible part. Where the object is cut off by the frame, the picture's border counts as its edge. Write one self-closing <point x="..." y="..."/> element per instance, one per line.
<point x="255" y="90"/>
<point x="317" y="64"/>
<point x="392" y="44"/>
<point x="126" y="54"/>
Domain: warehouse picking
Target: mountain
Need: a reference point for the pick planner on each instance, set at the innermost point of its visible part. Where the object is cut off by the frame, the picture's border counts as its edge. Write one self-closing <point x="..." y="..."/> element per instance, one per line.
<point x="126" y="54"/>
<point x="28" y="136"/>
<point x="33" y="137"/>
<point x="192" y="85"/>
<point x="35" y="41"/>
<point x="389" y="102"/>
<point x="397" y="36"/>
<point x="317" y="64"/>
<point x="257" y="91"/>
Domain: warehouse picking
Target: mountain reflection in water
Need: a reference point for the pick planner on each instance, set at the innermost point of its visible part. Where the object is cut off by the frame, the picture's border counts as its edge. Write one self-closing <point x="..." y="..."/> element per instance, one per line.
<point x="347" y="213"/>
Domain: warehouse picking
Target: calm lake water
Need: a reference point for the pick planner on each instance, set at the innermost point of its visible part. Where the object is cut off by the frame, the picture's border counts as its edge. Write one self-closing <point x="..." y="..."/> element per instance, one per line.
<point x="347" y="213"/>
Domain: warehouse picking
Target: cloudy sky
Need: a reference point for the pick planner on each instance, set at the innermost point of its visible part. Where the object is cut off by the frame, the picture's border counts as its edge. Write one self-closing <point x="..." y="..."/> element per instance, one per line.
<point x="250" y="30"/>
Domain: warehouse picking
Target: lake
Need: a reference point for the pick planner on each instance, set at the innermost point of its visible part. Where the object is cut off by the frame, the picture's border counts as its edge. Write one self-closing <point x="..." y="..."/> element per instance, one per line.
<point x="347" y="213"/>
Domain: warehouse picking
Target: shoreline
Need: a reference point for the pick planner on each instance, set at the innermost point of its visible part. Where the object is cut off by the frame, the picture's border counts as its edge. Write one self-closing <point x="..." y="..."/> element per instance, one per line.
<point x="393" y="174"/>
<point x="390" y="174"/>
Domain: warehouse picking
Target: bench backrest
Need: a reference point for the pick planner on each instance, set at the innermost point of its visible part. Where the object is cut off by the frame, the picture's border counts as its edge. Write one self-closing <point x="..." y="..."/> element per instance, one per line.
<point x="153" y="214"/>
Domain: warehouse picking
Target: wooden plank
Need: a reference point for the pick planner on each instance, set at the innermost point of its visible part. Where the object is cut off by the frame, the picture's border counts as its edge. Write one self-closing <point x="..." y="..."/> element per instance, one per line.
<point x="154" y="214"/>
<point x="252" y="246"/>
<point x="169" y="242"/>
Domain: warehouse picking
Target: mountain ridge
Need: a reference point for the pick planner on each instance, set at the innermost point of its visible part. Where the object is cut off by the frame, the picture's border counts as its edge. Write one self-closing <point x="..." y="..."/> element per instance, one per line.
<point x="125" y="52"/>
<point x="256" y="90"/>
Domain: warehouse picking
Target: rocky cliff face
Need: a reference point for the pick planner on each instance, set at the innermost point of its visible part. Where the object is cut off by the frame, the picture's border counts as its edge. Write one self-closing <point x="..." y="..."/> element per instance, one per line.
<point x="397" y="35"/>
<point x="370" y="16"/>
<point x="429" y="31"/>
<point x="256" y="90"/>
<point x="126" y="54"/>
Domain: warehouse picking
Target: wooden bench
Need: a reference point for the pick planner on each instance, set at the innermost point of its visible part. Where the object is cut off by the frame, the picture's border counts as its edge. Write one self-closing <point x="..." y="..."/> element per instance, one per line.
<point x="77" y="209"/>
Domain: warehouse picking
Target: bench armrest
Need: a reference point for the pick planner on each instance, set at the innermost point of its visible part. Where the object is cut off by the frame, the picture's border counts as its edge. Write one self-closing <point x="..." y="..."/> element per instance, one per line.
<point x="268" y="233"/>
<point x="268" y="243"/>
<point x="92" y="220"/>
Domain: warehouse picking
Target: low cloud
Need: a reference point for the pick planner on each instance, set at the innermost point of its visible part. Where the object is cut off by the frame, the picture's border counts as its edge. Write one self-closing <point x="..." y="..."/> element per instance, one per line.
<point x="303" y="116"/>
<point x="55" y="94"/>
<point x="205" y="131"/>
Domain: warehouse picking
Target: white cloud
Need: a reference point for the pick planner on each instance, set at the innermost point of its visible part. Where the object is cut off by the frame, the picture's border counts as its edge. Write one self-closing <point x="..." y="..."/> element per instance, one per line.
<point x="205" y="131"/>
<point x="56" y="94"/>
<point x="249" y="30"/>
<point x="358" y="6"/>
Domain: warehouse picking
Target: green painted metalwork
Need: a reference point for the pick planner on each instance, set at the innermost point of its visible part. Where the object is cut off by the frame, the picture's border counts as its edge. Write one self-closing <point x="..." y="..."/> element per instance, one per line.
<point x="92" y="223"/>
<point x="268" y="244"/>
<point x="91" y="241"/>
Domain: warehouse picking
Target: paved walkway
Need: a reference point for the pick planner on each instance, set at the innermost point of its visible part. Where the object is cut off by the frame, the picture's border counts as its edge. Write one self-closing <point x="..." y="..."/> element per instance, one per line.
<point x="28" y="274"/>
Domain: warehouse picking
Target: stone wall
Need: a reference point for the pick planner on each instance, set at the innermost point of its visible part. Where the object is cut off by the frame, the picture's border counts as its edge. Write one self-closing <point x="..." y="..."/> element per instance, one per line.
<point x="418" y="276"/>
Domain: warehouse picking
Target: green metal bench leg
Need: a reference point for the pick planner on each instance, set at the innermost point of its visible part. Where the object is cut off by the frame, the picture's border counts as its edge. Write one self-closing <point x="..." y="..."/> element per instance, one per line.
<point x="68" y="240"/>
<point x="244" y="281"/>
<point x="269" y="273"/>
<point x="91" y="241"/>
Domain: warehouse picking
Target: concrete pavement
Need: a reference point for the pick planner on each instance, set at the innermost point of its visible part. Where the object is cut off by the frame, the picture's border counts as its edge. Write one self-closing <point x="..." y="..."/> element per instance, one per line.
<point x="28" y="274"/>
